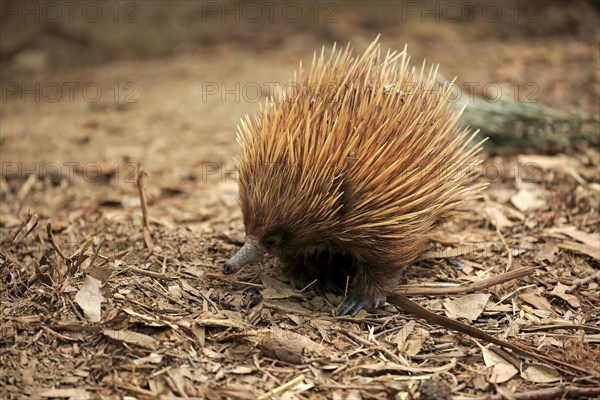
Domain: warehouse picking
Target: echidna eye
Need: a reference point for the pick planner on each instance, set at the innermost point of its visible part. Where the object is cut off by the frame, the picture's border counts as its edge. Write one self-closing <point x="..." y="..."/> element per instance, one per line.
<point x="272" y="241"/>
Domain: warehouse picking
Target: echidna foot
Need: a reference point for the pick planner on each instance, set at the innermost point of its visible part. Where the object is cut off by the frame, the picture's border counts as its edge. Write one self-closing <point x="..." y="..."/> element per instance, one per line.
<point x="353" y="304"/>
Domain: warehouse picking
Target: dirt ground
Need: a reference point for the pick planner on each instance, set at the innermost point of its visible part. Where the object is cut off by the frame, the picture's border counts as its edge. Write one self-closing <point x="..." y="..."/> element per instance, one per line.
<point x="88" y="311"/>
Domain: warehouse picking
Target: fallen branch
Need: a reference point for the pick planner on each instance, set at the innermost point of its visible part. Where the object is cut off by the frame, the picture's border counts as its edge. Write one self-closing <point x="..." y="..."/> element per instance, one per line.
<point x="418" y="311"/>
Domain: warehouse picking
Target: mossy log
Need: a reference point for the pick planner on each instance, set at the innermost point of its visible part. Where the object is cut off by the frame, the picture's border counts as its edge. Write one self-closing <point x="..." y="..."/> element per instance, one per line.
<point x="523" y="126"/>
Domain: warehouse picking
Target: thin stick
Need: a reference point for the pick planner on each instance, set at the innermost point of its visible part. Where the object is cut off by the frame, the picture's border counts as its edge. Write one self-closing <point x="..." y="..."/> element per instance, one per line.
<point x="96" y="254"/>
<point x="59" y="335"/>
<point x="583" y="281"/>
<point x="408" y="290"/>
<point x="152" y="274"/>
<point x="307" y="286"/>
<point x="53" y="243"/>
<point x="24" y="223"/>
<point x="508" y="252"/>
<point x="79" y="253"/>
<point x="283" y="388"/>
<point x="143" y="201"/>
<point x="587" y="328"/>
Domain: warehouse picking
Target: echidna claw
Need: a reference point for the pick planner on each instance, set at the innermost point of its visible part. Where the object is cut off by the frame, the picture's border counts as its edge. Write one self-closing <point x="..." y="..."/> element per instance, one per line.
<point x="351" y="306"/>
<point x="354" y="304"/>
<point x="376" y="302"/>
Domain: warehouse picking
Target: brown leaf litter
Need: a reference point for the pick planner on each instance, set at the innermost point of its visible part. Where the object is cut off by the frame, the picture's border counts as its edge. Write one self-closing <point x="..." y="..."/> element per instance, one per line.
<point x="89" y="310"/>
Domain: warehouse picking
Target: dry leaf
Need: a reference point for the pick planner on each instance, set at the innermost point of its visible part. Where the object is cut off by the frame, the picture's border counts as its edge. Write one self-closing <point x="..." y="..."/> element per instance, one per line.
<point x="532" y="297"/>
<point x="404" y="333"/>
<point x="560" y="163"/>
<point x="414" y="344"/>
<point x="591" y="251"/>
<point x="270" y="282"/>
<point x="560" y="291"/>
<point x="589" y="239"/>
<point x="131" y="337"/>
<point x="547" y="251"/>
<point x="152" y="358"/>
<point x="70" y="393"/>
<point x="175" y="291"/>
<point x="287" y="345"/>
<point x="287" y="306"/>
<point x="274" y="289"/>
<point x="178" y="376"/>
<point x="270" y="293"/>
<point x="410" y="338"/>
<point x="526" y="200"/>
<point x="90" y="298"/>
<point x="102" y="273"/>
<point x="502" y="370"/>
<point x="548" y="162"/>
<point x="541" y="373"/>
<point x="469" y="306"/>
<point x="497" y="217"/>
<point x="241" y="370"/>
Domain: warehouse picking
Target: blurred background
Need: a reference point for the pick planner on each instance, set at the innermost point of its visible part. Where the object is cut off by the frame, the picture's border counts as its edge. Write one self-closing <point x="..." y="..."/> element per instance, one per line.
<point x="165" y="82"/>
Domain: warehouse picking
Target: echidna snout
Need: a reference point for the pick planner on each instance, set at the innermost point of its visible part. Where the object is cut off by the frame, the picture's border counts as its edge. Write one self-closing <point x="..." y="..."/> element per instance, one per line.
<point x="252" y="250"/>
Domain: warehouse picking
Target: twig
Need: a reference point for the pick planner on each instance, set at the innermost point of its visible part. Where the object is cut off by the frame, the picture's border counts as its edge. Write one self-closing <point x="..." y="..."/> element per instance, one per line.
<point x="408" y="290"/>
<point x="512" y="293"/>
<point x="565" y="392"/>
<point x="283" y="388"/>
<point x="263" y="370"/>
<point x="581" y="281"/>
<point x="587" y="328"/>
<point x="508" y="252"/>
<point x="26" y="188"/>
<point x="23" y="225"/>
<point x="307" y="286"/>
<point x="79" y="253"/>
<point x="152" y="274"/>
<point x="376" y="346"/>
<point x="416" y="310"/>
<point x="53" y="243"/>
<point x="93" y="260"/>
<point x="143" y="201"/>
<point x="396" y="367"/>
<point x="60" y="335"/>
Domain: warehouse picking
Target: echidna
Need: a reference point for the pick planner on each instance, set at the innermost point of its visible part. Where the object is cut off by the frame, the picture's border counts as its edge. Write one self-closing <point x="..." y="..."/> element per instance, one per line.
<point x="344" y="177"/>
